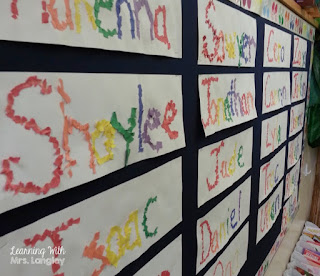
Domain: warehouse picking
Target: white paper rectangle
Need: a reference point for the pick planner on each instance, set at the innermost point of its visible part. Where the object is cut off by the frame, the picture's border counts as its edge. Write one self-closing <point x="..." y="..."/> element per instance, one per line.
<point x="276" y="91"/>
<point x="127" y="219"/>
<point x="226" y="100"/>
<point x="254" y="6"/>
<point x="219" y="31"/>
<point x="268" y="212"/>
<point x="299" y="86"/>
<point x="223" y="163"/>
<point x="167" y="262"/>
<point x="285" y="219"/>
<point x="271" y="173"/>
<point x="147" y="27"/>
<point x="273" y="133"/>
<point x="233" y="257"/>
<point x="216" y="228"/>
<point x="290" y="210"/>
<point x="296" y="118"/>
<point x="277" y="48"/>
<point x="299" y="59"/>
<point x="154" y="102"/>
<point x="265" y="265"/>
<point x="294" y="150"/>
<point x="292" y="180"/>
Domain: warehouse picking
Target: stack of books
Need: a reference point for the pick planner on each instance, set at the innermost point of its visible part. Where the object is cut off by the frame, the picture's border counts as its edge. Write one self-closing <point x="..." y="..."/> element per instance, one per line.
<point x="305" y="259"/>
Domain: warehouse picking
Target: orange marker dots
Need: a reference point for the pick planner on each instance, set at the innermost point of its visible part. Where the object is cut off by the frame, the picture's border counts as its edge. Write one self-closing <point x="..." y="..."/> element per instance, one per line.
<point x="94" y="252"/>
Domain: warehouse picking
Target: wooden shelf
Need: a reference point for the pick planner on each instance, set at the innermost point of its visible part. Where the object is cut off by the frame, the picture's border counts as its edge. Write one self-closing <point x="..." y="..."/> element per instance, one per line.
<point x="313" y="11"/>
<point x="292" y="5"/>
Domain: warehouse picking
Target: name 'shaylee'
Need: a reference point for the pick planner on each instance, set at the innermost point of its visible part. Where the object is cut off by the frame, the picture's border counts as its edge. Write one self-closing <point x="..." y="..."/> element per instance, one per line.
<point x="103" y="128"/>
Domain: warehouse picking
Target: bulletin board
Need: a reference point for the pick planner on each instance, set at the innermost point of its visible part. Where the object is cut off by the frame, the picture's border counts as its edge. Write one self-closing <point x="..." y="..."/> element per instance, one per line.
<point x="174" y="82"/>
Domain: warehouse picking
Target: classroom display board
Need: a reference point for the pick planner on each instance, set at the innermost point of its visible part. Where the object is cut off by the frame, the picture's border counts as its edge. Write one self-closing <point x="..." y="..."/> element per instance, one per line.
<point x="149" y="137"/>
